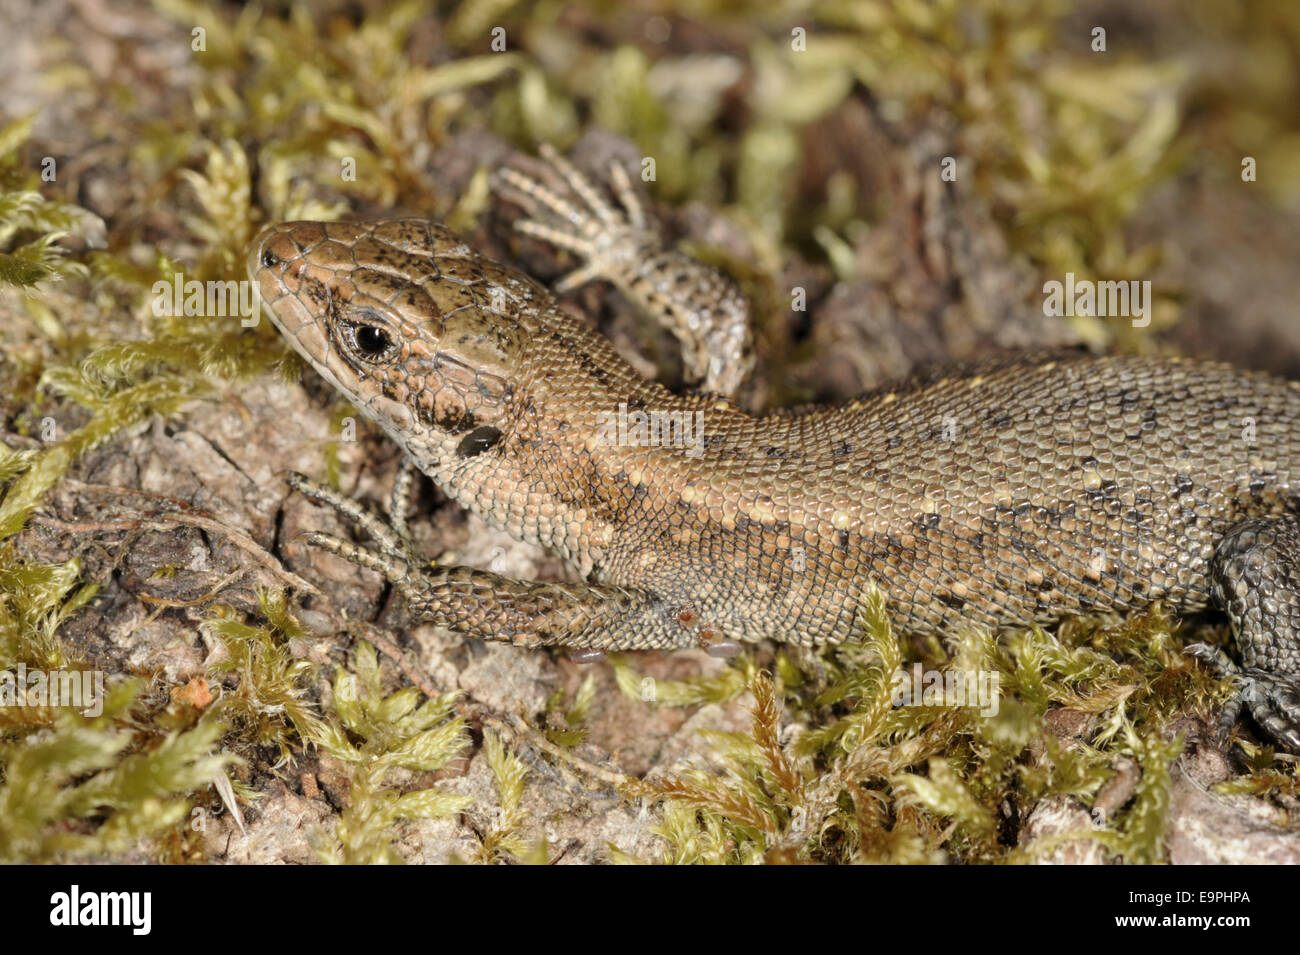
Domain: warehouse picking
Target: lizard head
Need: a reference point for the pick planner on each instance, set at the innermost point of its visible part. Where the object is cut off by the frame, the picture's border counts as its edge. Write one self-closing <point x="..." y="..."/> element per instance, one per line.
<point x="406" y="320"/>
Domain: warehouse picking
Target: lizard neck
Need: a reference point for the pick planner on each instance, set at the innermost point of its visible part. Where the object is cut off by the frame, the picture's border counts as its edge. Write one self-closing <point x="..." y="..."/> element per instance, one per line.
<point x="584" y="436"/>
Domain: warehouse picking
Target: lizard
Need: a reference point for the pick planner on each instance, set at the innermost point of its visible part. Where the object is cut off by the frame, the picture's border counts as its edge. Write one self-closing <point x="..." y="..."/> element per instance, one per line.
<point x="1010" y="492"/>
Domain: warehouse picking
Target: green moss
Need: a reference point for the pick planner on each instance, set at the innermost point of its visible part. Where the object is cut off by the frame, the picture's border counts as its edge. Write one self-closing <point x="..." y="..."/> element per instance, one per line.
<point x="501" y="838"/>
<point x="572" y="732"/>
<point x="35" y="599"/>
<point x="268" y="704"/>
<point x="718" y="688"/>
<point x="374" y="735"/>
<point x="1266" y="776"/>
<point x="83" y="788"/>
<point x="856" y="778"/>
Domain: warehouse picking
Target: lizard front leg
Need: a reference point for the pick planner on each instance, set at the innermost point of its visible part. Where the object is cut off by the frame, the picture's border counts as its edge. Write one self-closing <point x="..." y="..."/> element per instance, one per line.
<point x="698" y="304"/>
<point x="490" y="606"/>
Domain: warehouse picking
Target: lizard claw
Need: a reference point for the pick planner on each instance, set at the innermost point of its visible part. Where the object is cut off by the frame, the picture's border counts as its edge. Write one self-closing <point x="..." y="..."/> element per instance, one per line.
<point x="1273" y="700"/>
<point x="393" y="537"/>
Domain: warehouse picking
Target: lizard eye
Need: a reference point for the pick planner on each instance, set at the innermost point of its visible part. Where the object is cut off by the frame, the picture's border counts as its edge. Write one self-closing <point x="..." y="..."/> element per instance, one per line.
<point x="371" y="343"/>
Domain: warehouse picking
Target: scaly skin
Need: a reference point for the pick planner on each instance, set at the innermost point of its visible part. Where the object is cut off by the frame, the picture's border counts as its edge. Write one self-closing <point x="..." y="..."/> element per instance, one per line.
<point x="1009" y="493"/>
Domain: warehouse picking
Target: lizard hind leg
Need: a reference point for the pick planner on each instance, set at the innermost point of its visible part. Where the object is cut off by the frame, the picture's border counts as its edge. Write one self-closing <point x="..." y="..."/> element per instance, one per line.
<point x="1255" y="580"/>
<point x="702" y="308"/>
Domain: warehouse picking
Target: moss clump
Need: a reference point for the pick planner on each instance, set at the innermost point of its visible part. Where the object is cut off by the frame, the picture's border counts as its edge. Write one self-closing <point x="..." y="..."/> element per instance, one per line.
<point x="86" y="788"/>
<point x="376" y="735"/>
<point x="501" y="838"/>
<point x="833" y="771"/>
<point x="268" y="704"/>
<point x="77" y="786"/>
